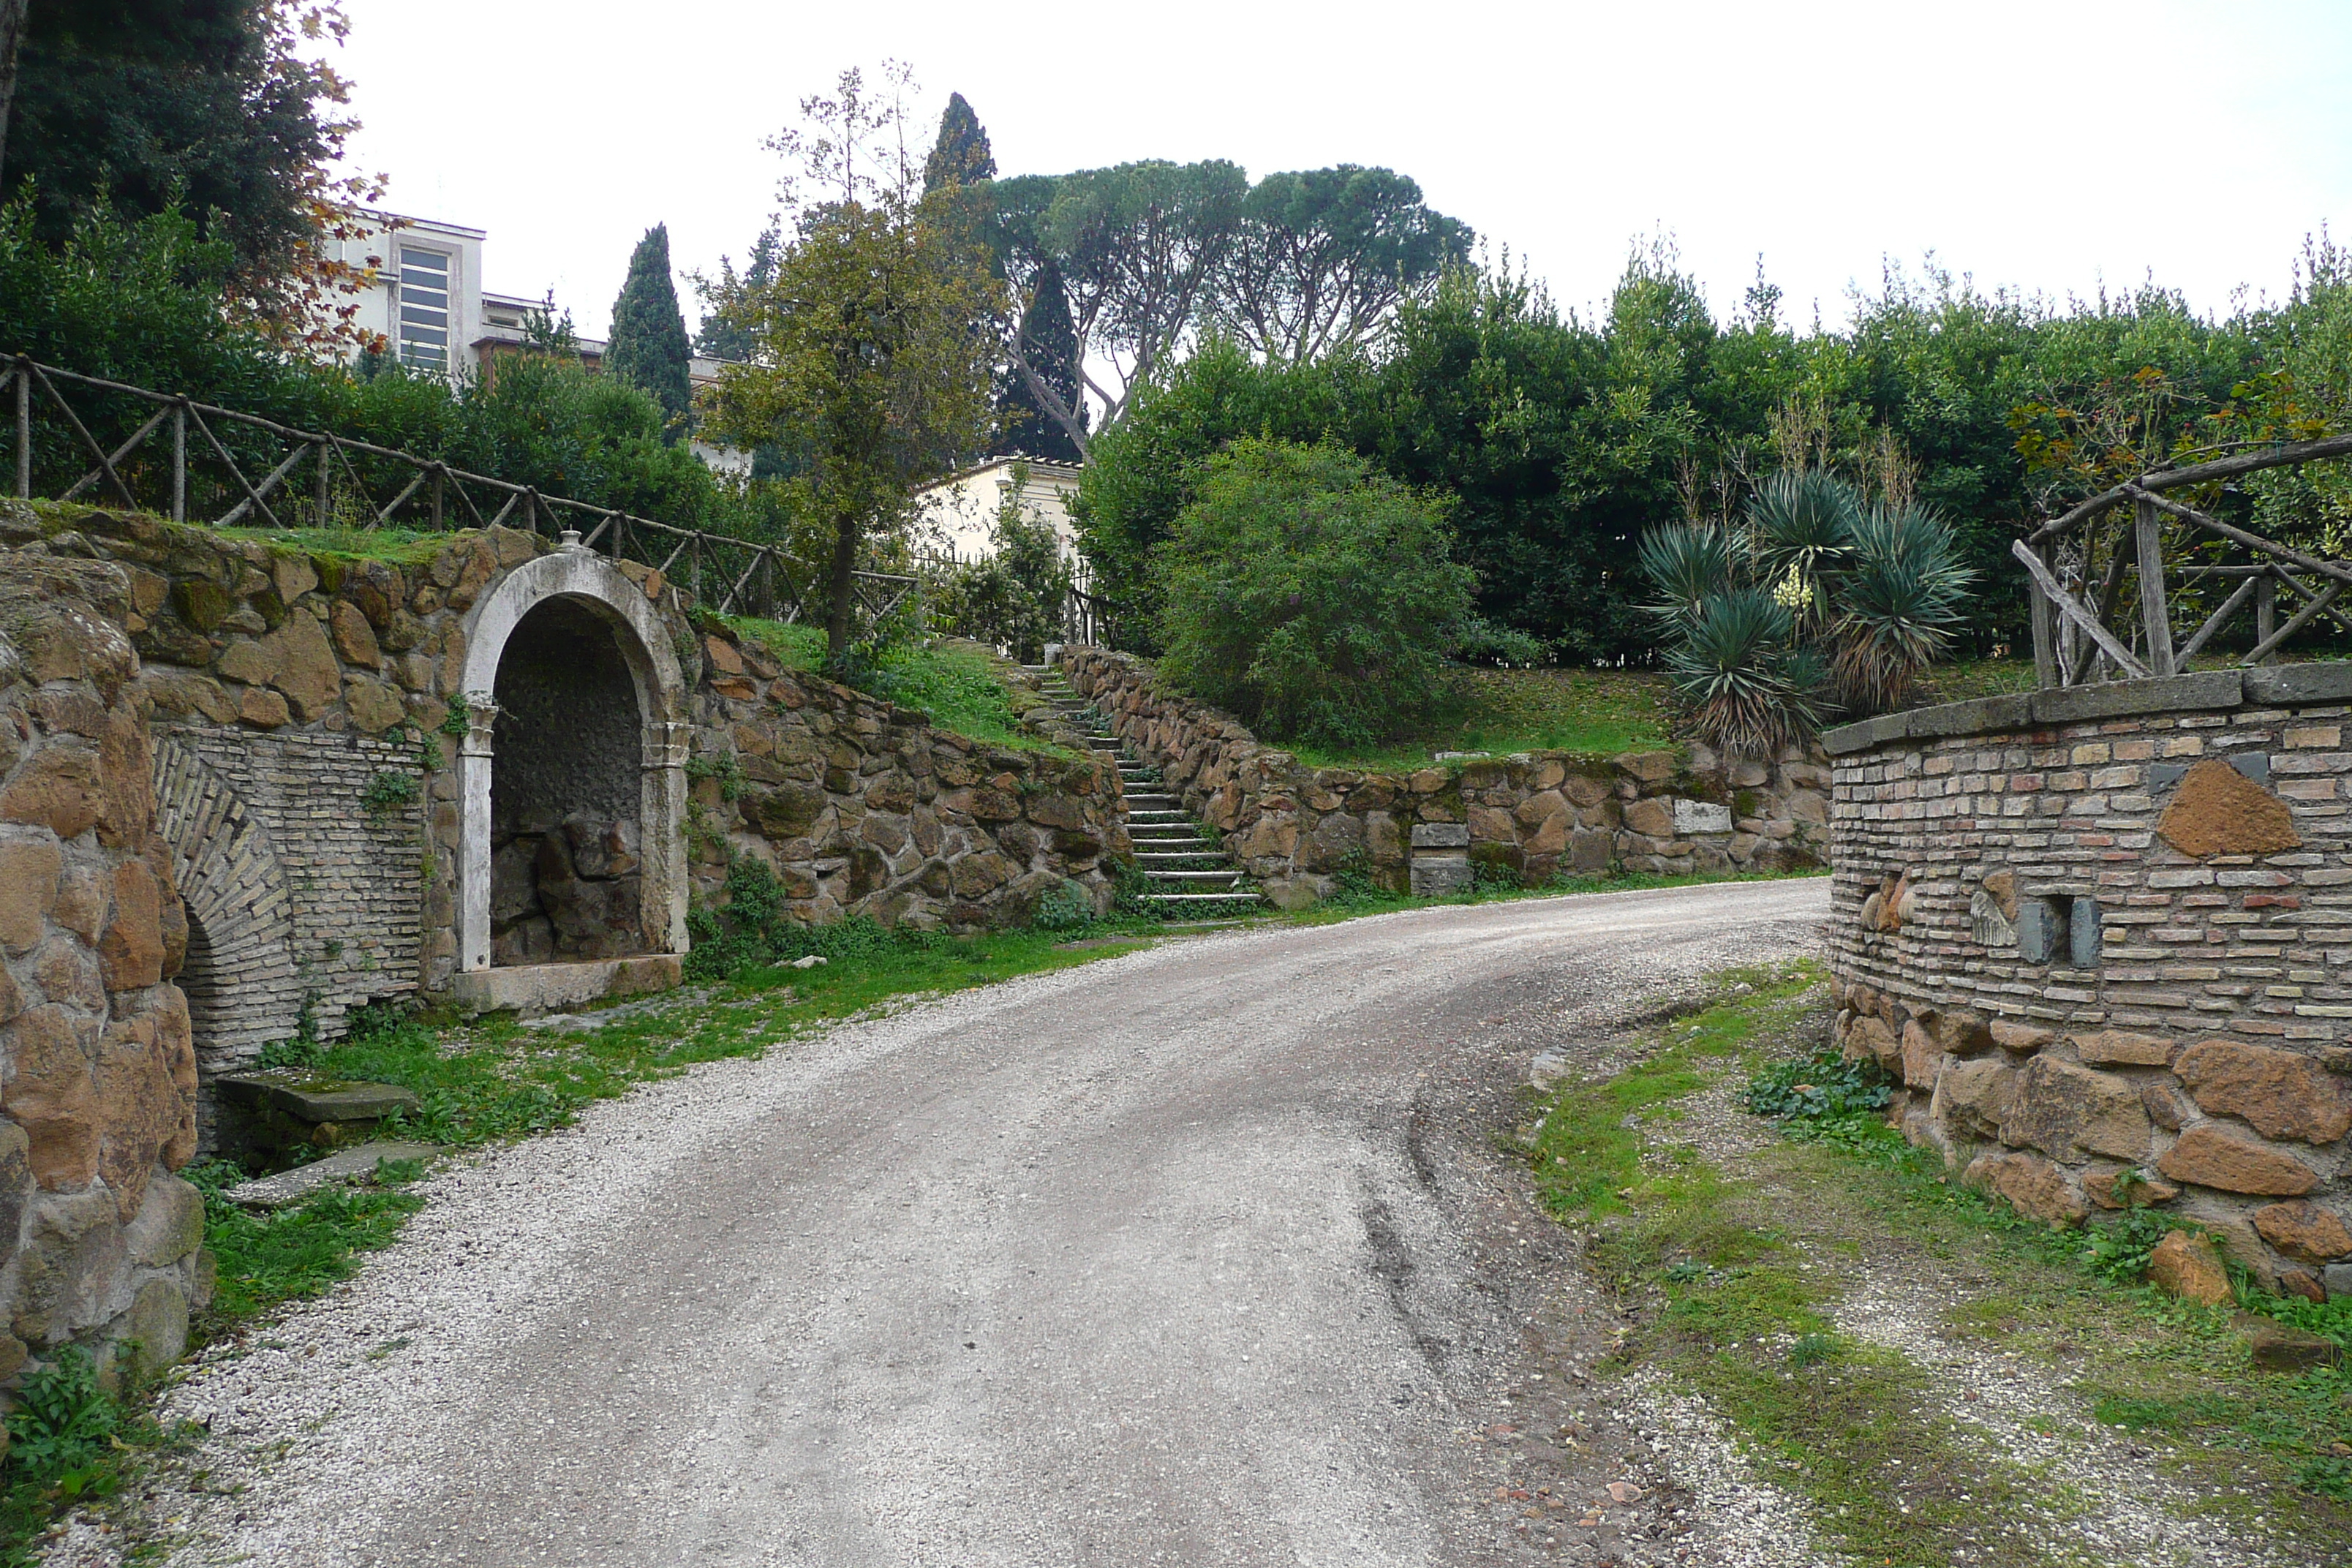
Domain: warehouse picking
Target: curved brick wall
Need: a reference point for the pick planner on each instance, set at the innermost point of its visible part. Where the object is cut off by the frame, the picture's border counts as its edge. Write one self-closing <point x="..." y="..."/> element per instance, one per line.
<point x="2105" y="934"/>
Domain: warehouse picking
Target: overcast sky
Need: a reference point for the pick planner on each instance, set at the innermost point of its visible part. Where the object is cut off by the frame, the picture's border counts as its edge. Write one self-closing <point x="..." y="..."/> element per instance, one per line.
<point x="2054" y="147"/>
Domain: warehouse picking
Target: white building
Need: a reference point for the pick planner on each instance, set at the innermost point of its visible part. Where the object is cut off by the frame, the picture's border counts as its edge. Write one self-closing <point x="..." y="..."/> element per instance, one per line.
<point x="422" y="292"/>
<point x="964" y="505"/>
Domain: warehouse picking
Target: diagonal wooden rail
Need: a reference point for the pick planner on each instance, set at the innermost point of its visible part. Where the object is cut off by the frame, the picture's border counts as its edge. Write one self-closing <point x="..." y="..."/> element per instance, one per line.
<point x="752" y="578"/>
<point x="2083" y="633"/>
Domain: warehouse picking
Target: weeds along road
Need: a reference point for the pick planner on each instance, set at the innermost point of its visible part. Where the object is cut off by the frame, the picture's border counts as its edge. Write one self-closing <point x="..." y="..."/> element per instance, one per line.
<point x="1163" y="1260"/>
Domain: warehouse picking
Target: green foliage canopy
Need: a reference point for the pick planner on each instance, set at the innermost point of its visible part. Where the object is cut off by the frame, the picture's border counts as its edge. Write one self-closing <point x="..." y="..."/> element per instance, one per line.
<point x="648" y="348"/>
<point x="1312" y="594"/>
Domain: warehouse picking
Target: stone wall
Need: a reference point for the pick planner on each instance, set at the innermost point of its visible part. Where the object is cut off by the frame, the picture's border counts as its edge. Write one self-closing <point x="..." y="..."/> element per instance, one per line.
<point x="287" y="689"/>
<point x="2104" y="936"/>
<point x="1534" y="815"/>
<point x="865" y="809"/>
<point x="99" y="1241"/>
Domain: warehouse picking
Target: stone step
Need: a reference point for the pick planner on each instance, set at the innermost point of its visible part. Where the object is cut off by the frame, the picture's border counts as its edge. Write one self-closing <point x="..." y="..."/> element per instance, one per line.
<point x="289" y="1187"/>
<point x="1230" y="878"/>
<point x="1244" y="895"/>
<point x="1143" y="855"/>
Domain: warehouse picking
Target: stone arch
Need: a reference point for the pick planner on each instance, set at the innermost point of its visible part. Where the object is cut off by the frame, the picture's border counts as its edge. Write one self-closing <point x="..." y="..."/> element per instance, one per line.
<point x="582" y="580"/>
<point x="243" y="988"/>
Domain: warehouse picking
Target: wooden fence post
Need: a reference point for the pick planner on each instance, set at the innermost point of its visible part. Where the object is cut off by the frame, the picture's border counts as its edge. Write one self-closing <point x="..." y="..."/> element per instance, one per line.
<point x="2045" y="645"/>
<point x="2154" y="614"/>
<point x="180" y="461"/>
<point x="2265" y="608"/>
<point x="319" y="450"/>
<point x="24" y="431"/>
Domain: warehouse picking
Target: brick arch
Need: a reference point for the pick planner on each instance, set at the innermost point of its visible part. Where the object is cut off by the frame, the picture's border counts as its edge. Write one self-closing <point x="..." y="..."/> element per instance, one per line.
<point x="243" y="988"/>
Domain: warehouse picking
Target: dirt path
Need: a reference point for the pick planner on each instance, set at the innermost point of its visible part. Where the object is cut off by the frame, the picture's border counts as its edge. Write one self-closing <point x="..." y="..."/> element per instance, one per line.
<point x="1198" y="1256"/>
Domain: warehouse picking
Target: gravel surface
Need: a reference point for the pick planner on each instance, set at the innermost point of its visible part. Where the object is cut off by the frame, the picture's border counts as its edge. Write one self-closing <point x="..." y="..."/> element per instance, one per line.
<point x="1201" y="1255"/>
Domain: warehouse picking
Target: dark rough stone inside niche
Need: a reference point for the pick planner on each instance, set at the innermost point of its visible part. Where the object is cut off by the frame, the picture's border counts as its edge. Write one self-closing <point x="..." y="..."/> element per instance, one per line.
<point x="564" y="793"/>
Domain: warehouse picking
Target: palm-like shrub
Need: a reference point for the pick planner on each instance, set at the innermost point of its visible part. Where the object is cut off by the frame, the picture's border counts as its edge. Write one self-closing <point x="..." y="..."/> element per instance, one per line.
<point x="1731" y="670"/>
<point x="1816" y="603"/>
<point x="1899" y="600"/>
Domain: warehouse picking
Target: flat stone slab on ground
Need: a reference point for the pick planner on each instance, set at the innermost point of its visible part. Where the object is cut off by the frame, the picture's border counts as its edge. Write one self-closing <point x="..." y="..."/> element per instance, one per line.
<point x="315" y="1097"/>
<point x="289" y="1187"/>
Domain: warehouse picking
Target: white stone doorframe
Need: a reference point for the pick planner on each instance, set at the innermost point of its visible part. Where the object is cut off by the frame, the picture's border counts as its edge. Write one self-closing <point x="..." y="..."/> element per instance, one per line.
<point x="577" y="573"/>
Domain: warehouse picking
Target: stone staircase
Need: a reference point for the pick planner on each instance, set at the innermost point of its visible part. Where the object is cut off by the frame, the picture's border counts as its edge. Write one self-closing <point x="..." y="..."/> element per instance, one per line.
<point x="1191" y="876"/>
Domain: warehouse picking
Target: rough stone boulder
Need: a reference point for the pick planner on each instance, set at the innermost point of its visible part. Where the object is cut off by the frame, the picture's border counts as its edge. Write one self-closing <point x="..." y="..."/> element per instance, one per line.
<point x="2033" y="1186"/>
<point x="2185" y="1265"/>
<point x="2218" y="810"/>
<point x="2303" y="1230"/>
<point x="1973" y="1098"/>
<point x="2208" y="1156"/>
<point x="2071" y="1111"/>
<point x="2281" y="1093"/>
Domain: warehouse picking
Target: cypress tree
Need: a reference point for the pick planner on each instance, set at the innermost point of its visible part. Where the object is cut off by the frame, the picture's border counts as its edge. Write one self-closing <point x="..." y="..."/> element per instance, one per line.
<point x="961" y="156"/>
<point x="648" y="347"/>
<point x="1051" y="341"/>
<point x="721" y="338"/>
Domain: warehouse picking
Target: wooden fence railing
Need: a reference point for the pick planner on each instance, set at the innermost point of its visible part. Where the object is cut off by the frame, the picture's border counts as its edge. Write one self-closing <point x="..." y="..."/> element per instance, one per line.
<point x="2085" y="629"/>
<point x="357" y="484"/>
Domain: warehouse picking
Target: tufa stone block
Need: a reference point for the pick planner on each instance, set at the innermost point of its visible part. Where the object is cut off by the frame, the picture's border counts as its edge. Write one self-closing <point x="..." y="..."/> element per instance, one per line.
<point x="2282" y="1093"/>
<point x="2218" y="810"/>
<point x="2207" y="1156"/>
<point x="2185" y="1265"/>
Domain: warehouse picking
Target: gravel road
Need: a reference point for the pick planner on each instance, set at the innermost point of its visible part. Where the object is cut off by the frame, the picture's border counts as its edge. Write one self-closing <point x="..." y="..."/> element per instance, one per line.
<point x="1199" y="1255"/>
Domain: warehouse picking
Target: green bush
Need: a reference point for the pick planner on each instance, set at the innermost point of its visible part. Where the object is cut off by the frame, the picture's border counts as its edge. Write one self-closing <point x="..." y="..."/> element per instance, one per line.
<point x="1312" y="595"/>
<point x="63" y="1422"/>
<point x="1820" y="1086"/>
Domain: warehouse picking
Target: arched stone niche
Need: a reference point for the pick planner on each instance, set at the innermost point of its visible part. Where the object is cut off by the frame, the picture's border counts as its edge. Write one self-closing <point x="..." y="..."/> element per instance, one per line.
<point x="582" y="592"/>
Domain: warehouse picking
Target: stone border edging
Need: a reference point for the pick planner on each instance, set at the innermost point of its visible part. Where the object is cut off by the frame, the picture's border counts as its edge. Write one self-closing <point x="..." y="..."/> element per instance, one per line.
<point x="2287" y="684"/>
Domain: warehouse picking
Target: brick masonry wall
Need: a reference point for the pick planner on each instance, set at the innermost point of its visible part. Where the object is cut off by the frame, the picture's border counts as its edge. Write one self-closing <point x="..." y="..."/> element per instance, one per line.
<point x="2104" y="936"/>
<point x="1534" y="815"/>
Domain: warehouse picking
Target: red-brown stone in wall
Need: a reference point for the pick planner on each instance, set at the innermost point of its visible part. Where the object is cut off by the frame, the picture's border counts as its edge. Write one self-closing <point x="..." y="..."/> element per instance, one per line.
<point x="1871" y="1041"/>
<point x="131" y="950"/>
<point x="2208" y="1156"/>
<point x="1973" y="1097"/>
<point x="29" y="868"/>
<point x="2283" y="1093"/>
<point x="2109" y="1189"/>
<point x="2020" y="1039"/>
<point x="50" y="1094"/>
<point x="2069" y="1111"/>
<point x="63" y="789"/>
<point x="2033" y="1186"/>
<point x="2218" y="810"/>
<point x="2118" y="1047"/>
<point x="1960" y="1032"/>
<point x="1922" y="1056"/>
<point x="2304" y="1230"/>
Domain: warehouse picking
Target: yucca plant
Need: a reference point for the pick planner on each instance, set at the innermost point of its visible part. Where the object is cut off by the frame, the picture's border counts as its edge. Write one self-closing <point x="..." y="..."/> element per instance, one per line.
<point x="1803" y="524"/>
<point x="1688" y="563"/>
<point x="1817" y="603"/>
<point x="1730" y="669"/>
<point x="1900" y="600"/>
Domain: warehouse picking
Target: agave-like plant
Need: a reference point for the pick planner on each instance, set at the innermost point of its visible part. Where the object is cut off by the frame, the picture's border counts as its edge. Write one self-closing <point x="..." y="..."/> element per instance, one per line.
<point x="1688" y="563"/>
<point x="1900" y="597"/>
<point x="1730" y="669"/>
<point x="1803" y="522"/>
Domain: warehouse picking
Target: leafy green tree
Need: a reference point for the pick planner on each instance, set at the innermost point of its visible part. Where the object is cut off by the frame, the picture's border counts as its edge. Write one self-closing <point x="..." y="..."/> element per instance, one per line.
<point x="1138" y="247"/>
<point x="1050" y="347"/>
<point x="961" y="155"/>
<point x="1013" y="597"/>
<point x="718" y="338"/>
<point x="863" y="348"/>
<point x="648" y="348"/>
<point x="12" y="35"/>
<point x="1320" y="258"/>
<point x="215" y="107"/>
<point x="1313" y="595"/>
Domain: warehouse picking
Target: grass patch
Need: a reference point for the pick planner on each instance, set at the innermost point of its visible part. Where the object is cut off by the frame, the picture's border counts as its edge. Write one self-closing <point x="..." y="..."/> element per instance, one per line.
<point x="1595" y="711"/>
<point x="957" y="686"/>
<point x="1735" y="1280"/>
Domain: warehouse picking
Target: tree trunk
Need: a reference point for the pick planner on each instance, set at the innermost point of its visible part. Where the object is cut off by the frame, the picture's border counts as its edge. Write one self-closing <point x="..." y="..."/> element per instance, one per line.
<point x="844" y="587"/>
<point x="12" y="33"/>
